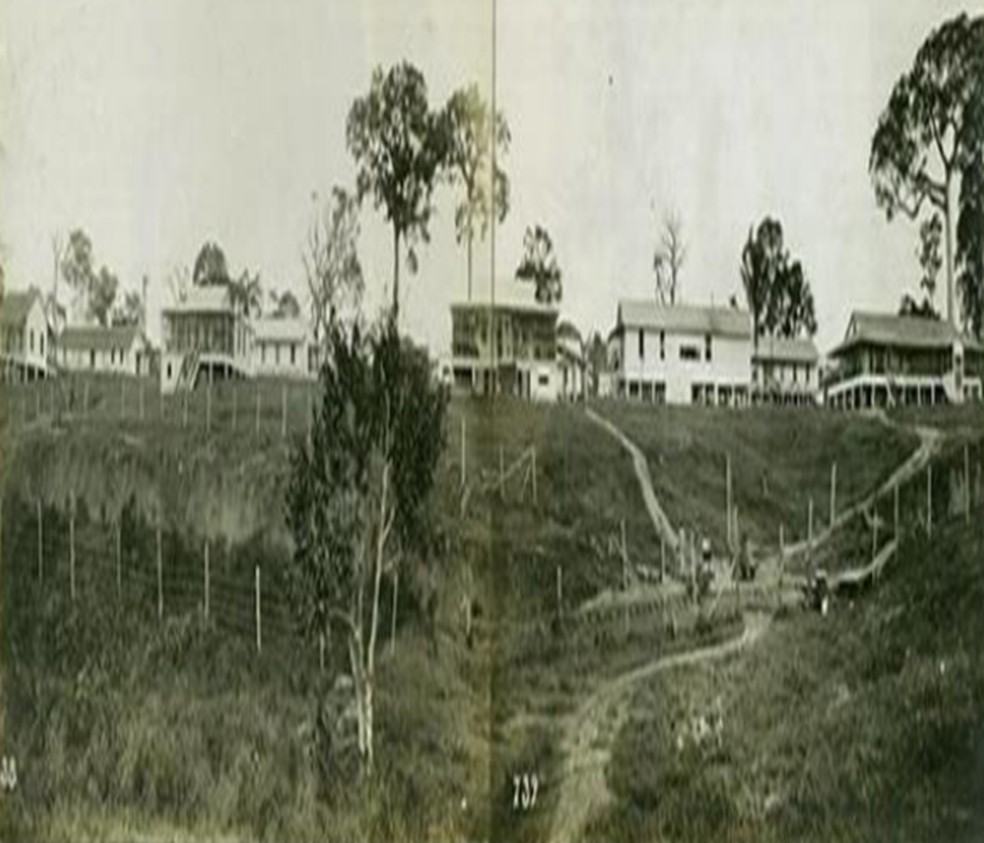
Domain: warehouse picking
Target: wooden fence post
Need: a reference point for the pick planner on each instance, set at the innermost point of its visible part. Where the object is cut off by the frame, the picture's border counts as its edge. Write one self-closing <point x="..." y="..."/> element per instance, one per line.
<point x="122" y="396"/>
<point x="259" y="629"/>
<point x="257" y="408"/>
<point x="85" y="400"/>
<point x="208" y="401"/>
<point x="321" y="651"/>
<point x="809" y="525"/>
<point x="37" y="400"/>
<point x="141" y="386"/>
<point x="184" y="407"/>
<point x="833" y="493"/>
<point x="310" y="414"/>
<point x="160" y="571"/>
<point x="727" y="484"/>
<point x="874" y="535"/>
<point x="283" y="410"/>
<point x="782" y="541"/>
<point x="502" y="474"/>
<point x="71" y="546"/>
<point x="464" y="452"/>
<point x="396" y="592"/>
<point x="662" y="558"/>
<point x="207" y="572"/>
<point x="235" y="402"/>
<point x="40" y="543"/>
<point x="560" y="592"/>
<point x="160" y="403"/>
<point x="534" y="474"/>
<point x="929" y="499"/>
<point x="967" y="482"/>
<point x="119" y="555"/>
<point x="895" y="514"/>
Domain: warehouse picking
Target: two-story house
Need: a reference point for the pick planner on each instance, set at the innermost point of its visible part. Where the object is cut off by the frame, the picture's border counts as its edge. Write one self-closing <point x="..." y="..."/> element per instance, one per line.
<point x="887" y="360"/>
<point x="205" y="334"/>
<point x="510" y="349"/>
<point x="25" y="337"/>
<point x="785" y="371"/>
<point x="681" y="354"/>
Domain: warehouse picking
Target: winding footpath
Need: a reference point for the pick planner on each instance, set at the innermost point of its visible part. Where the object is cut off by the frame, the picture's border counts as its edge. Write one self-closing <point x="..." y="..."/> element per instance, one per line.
<point x="591" y="730"/>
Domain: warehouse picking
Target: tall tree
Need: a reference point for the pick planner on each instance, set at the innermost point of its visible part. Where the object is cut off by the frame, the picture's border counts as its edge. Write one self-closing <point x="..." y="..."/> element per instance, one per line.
<point x="285" y="305"/>
<point x="923" y="139"/>
<point x="331" y="261"/>
<point x="668" y="259"/>
<point x="210" y="266"/>
<point x="246" y="291"/>
<point x="358" y="494"/>
<point x="399" y="146"/>
<point x="102" y="295"/>
<point x="470" y="129"/>
<point x="597" y="359"/>
<point x="790" y="311"/>
<point x="78" y="270"/>
<point x="970" y="242"/>
<point x="761" y="263"/>
<point x="539" y="265"/>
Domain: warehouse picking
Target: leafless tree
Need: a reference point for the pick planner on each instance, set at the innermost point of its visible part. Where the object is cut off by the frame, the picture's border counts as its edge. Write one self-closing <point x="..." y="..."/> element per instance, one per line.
<point x="668" y="259"/>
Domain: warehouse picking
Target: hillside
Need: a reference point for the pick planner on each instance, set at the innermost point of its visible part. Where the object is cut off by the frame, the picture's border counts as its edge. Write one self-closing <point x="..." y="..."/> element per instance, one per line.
<point x="865" y="725"/>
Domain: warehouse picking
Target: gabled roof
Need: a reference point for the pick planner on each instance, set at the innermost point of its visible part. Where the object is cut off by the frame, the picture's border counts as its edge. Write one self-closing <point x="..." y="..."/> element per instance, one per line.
<point x="887" y="329"/>
<point x="213" y="298"/>
<point x="786" y="350"/>
<point x="97" y="338"/>
<point x="685" y="318"/>
<point x="506" y="307"/>
<point x="279" y="330"/>
<point x="16" y="305"/>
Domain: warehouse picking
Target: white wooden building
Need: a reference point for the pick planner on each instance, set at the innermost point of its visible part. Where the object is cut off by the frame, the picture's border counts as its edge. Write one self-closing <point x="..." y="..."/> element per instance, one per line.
<point x="785" y="371"/>
<point x="123" y="350"/>
<point x="681" y="354"/>
<point x="25" y="337"/>
<point x="281" y="347"/>
<point x="887" y="360"/>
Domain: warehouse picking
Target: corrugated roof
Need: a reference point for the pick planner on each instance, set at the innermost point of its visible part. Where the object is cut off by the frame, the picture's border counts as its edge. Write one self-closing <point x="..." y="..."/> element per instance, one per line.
<point x="685" y="318"/>
<point x="16" y="305"/>
<point x="906" y="331"/>
<point x="282" y="330"/>
<point x="97" y="338"/>
<point x="796" y="350"/>
<point x="213" y="298"/>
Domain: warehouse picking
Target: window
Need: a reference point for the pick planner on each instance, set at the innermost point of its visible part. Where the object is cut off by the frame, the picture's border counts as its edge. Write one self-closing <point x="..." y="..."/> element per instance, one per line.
<point x="633" y="389"/>
<point x="276" y="354"/>
<point x="794" y="373"/>
<point x="169" y="371"/>
<point x="642" y="345"/>
<point x="42" y="343"/>
<point x="689" y="352"/>
<point x="543" y="379"/>
<point x="32" y="339"/>
<point x="263" y="353"/>
<point x="293" y="354"/>
<point x="707" y="347"/>
<point x="662" y="345"/>
<point x="92" y="358"/>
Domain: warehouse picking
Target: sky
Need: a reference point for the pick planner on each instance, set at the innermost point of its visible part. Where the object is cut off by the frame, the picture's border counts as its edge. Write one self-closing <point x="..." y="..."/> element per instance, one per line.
<point x="160" y="124"/>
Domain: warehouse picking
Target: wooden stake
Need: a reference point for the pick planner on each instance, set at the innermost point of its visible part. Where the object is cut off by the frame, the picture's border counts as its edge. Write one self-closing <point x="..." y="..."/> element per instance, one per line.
<point x="184" y="408"/>
<point x="208" y="401"/>
<point x="874" y="536"/>
<point x="160" y="402"/>
<point x="85" y="399"/>
<point x="662" y="558"/>
<point x="40" y="543"/>
<point x="160" y="572"/>
<point x="896" y="513"/>
<point x="464" y="452"/>
<point x="235" y="402"/>
<point x="396" y="591"/>
<point x="259" y="629"/>
<point x="71" y="547"/>
<point x="122" y="396"/>
<point x="141" y="401"/>
<point x="502" y="473"/>
<point x="929" y="499"/>
<point x="833" y="493"/>
<point x="119" y="556"/>
<point x="534" y="474"/>
<point x="967" y="482"/>
<point x="283" y="411"/>
<point x="782" y="542"/>
<point x="727" y="483"/>
<point x="560" y="592"/>
<point x="207" y="572"/>
<point x="321" y="651"/>
<point x="257" y="408"/>
<point x="809" y="526"/>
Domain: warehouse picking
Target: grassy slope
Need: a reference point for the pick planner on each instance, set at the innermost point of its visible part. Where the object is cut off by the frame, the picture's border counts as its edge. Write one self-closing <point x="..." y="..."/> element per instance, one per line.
<point x="779" y="460"/>
<point x="866" y="725"/>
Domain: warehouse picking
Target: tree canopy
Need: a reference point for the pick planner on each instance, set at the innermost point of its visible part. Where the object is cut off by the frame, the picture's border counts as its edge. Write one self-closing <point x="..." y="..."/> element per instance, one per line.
<point x="929" y="131"/>
<point x="539" y="266"/>
<point x="210" y="266"/>
<point x="668" y="259"/>
<point x="468" y="124"/>
<point x="399" y="146"/>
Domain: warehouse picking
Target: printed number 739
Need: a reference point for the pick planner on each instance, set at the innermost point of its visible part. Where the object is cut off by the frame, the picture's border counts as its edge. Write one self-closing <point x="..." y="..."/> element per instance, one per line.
<point x="525" y="788"/>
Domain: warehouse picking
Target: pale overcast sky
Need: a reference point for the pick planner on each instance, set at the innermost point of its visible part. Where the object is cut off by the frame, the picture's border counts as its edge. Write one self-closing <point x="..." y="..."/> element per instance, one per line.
<point x="156" y="125"/>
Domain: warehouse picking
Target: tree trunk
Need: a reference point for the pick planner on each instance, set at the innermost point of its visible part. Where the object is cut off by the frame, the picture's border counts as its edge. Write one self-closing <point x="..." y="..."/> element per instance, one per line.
<point x="396" y="273"/>
<point x="950" y="315"/>
<point x="470" y="238"/>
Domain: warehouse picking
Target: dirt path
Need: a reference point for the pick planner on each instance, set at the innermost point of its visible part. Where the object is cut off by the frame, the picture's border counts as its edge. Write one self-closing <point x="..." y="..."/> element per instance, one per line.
<point x="591" y="730"/>
<point x="659" y="517"/>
